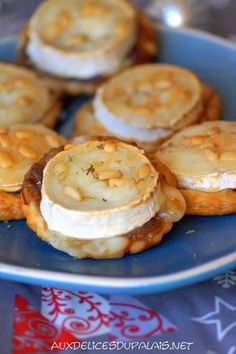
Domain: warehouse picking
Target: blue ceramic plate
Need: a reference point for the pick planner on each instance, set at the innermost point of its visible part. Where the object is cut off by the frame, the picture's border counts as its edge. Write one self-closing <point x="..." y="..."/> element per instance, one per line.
<point x="197" y="248"/>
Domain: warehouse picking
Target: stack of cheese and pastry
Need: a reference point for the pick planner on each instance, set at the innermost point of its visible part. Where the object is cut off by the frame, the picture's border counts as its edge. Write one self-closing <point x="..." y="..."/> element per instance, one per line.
<point x="25" y="99"/>
<point x="101" y="199"/>
<point x="147" y="104"/>
<point x="203" y="160"/>
<point x="76" y="44"/>
<point x="20" y="146"/>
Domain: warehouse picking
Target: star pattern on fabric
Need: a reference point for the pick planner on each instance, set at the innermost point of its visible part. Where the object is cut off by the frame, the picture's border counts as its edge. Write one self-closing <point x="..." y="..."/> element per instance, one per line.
<point x="216" y="317"/>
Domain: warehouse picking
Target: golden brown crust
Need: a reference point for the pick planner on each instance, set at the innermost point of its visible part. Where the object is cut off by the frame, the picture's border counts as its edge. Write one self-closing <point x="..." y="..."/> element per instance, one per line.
<point x="144" y="51"/>
<point x="50" y="118"/>
<point x="212" y="104"/>
<point x="10" y="206"/>
<point x="136" y="241"/>
<point x="210" y="203"/>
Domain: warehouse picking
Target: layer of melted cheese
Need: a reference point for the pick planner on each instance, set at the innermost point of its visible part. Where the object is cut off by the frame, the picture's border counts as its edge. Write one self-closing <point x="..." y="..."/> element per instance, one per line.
<point x="81" y="202"/>
<point x="124" y="130"/>
<point x="20" y="146"/>
<point x="23" y="98"/>
<point x="203" y="157"/>
<point x="148" y="101"/>
<point x="81" y="38"/>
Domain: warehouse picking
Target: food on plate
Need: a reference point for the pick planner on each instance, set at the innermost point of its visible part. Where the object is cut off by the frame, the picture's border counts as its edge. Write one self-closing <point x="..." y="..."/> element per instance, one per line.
<point x="101" y="198"/>
<point x="147" y="104"/>
<point x="203" y="160"/>
<point x="76" y="44"/>
<point x="20" y="146"/>
<point x="25" y="99"/>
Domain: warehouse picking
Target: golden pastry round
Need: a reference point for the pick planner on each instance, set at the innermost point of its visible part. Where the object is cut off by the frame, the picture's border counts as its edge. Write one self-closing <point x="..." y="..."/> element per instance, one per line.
<point x="24" y="98"/>
<point x="20" y="146"/>
<point x="203" y="159"/>
<point x="147" y="104"/>
<point x="95" y="45"/>
<point x="112" y="196"/>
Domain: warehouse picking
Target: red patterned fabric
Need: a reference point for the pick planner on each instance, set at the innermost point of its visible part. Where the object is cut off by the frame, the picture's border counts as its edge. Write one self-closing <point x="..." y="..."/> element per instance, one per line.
<point x="33" y="333"/>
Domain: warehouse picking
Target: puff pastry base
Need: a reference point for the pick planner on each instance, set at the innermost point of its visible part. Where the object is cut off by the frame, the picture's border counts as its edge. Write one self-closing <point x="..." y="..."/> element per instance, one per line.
<point x="144" y="51"/>
<point x="10" y="206"/>
<point x="136" y="241"/>
<point x="50" y="118"/>
<point x="209" y="203"/>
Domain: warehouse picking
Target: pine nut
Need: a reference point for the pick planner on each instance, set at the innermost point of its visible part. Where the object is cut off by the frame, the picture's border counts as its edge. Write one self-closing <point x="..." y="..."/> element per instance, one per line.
<point x="109" y="147"/>
<point x="213" y="131"/>
<point x="27" y="151"/>
<point x="73" y="193"/>
<point x="53" y="140"/>
<point x="60" y="170"/>
<point x="211" y="155"/>
<point x="144" y="171"/>
<point x="197" y="139"/>
<point x="6" y="160"/>
<point x="4" y="141"/>
<point x="24" y="101"/>
<point x="116" y="182"/>
<point x="228" y="156"/>
<point x="108" y="174"/>
<point x="24" y="134"/>
<point x="69" y="146"/>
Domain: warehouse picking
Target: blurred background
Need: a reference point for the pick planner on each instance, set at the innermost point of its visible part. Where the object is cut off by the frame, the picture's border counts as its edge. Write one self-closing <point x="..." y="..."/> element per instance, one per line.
<point x="216" y="16"/>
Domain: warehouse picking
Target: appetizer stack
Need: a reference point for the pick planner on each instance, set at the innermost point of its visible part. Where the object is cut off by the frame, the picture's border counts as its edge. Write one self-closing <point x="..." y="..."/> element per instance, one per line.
<point x="147" y="148"/>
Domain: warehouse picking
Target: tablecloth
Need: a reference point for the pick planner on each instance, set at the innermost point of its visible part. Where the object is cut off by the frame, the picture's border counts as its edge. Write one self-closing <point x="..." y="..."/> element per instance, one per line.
<point x="199" y="319"/>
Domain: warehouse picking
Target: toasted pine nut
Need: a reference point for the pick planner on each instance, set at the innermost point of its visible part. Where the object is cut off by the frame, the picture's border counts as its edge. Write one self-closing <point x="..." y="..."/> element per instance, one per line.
<point x="144" y="171"/>
<point x="24" y="101"/>
<point x="197" y="139"/>
<point x="108" y="174"/>
<point x="213" y="131"/>
<point x="4" y="140"/>
<point x="53" y="140"/>
<point x="116" y="182"/>
<point x="60" y="170"/>
<point x="109" y="147"/>
<point x="27" y="151"/>
<point x="6" y="160"/>
<point x="73" y="193"/>
<point x="228" y="156"/>
<point x="211" y="154"/>
<point x="24" y="134"/>
<point x="69" y="146"/>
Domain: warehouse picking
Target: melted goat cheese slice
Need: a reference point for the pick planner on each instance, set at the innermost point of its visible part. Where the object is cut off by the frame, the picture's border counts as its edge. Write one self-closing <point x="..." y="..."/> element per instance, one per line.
<point x="21" y="145"/>
<point x="203" y="157"/>
<point x="23" y="97"/>
<point x="81" y="38"/>
<point x="99" y="189"/>
<point x="148" y="102"/>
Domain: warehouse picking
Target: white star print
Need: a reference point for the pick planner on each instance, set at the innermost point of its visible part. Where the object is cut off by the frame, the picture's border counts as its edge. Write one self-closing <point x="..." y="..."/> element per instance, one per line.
<point x="211" y="318"/>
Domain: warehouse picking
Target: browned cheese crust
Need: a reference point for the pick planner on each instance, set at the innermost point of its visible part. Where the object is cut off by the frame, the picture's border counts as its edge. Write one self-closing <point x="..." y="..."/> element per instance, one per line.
<point x="136" y="241"/>
<point x="144" y="51"/>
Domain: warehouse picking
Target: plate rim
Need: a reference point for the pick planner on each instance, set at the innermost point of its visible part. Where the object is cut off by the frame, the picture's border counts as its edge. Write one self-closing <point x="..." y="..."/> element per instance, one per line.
<point x="134" y="285"/>
<point x="138" y="285"/>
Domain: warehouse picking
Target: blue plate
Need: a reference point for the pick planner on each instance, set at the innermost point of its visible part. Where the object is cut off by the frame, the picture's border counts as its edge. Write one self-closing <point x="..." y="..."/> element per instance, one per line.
<point x="197" y="248"/>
